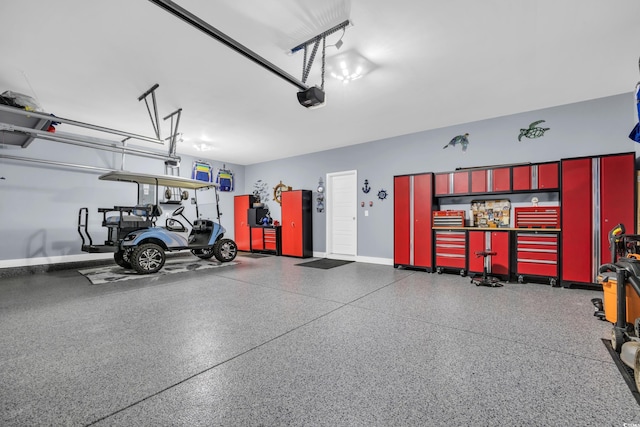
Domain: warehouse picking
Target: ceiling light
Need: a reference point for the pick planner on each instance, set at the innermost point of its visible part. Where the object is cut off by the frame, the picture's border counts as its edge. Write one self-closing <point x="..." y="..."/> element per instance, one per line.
<point x="202" y="147"/>
<point x="348" y="66"/>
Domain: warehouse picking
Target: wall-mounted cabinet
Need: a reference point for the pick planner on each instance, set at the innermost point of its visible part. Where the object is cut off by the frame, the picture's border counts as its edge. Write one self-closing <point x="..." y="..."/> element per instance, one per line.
<point x="500" y="180"/>
<point x="479" y="182"/>
<point x="507" y="179"/>
<point x="543" y="177"/>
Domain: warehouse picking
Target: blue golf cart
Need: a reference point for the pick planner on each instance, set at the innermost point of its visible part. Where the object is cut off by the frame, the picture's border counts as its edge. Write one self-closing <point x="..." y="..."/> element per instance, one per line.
<point x="139" y="242"/>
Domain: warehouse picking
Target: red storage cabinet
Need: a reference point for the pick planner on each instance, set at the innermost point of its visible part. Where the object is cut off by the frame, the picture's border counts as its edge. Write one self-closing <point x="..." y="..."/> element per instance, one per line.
<point x="521" y="178"/>
<point x="241" y="230"/>
<point x="451" y="250"/>
<point x="501" y="179"/>
<point x="548" y="174"/>
<point x="494" y="241"/>
<point x="461" y="182"/>
<point x="296" y="223"/>
<point x="402" y="235"/>
<point x="617" y="195"/>
<point x="413" y="204"/>
<point x="479" y="181"/>
<point x="442" y="184"/>
<point x="266" y="239"/>
<point x="543" y="176"/>
<point x="597" y="193"/>
<point x="257" y="239"/>
<point x="537" y="256"/>
<point x="448" y="183"/>
<point x="577" y="214"/>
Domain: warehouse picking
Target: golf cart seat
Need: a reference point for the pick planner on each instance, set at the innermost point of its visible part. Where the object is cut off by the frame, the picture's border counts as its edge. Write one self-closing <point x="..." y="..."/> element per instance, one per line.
<point x="203" y="225"/>
<point x="133" y="217"/>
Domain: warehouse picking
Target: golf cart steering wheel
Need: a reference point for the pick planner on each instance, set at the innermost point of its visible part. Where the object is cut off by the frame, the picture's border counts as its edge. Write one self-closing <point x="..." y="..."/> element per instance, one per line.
<point x="178" y="211"/>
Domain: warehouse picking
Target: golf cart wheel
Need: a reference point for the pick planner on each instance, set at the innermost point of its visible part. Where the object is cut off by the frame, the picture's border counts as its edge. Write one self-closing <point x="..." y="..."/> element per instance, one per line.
<point x="147" y="258"/>
<point x="123" y="258"/>
<point x="205" y="253"/>
<point x="617" y="339"/>
<point x="225" y="250"/>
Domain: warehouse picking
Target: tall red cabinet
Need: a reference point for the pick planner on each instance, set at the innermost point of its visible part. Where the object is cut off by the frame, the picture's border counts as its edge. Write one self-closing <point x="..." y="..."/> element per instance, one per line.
<point x="296" y="223"/>
<point x="412" y="236"/>
<point x="597" y="194"/>
<point x="242" y="232"/>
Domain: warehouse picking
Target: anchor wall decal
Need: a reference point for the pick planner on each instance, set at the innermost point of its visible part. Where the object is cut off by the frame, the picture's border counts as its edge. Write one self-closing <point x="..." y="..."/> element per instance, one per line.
<point x="366" y="187"/>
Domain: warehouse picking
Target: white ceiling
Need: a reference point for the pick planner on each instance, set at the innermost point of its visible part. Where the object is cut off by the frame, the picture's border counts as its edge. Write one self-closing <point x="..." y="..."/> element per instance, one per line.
<point x="437" y="64"/>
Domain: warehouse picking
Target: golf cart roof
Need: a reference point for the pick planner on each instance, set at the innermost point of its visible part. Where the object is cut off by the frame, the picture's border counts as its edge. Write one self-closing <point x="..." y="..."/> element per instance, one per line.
<point x="158" y="180"/>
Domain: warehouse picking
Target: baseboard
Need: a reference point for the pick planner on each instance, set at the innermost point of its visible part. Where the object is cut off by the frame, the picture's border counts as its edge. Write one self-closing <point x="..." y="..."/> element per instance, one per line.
<point x="375" y="260"/>
<point x="357" y="258"/>
<point x="61" y="259"/>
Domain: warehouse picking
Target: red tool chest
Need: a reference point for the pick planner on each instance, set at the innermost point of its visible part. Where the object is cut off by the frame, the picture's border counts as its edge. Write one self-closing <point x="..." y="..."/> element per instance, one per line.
<point x="451" y="250"/>
<point x="537" y="255"/>
<point x="537" y="217"/>
<point x="448" y="218"/>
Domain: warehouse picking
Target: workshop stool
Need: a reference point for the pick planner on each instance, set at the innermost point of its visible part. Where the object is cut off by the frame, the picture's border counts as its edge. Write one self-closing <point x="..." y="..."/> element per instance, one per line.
<point x="485" y="279"/>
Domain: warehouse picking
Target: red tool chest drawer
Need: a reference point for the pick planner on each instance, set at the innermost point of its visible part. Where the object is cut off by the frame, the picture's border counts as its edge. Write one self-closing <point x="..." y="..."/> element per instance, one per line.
<point x="537" y="217"/>
<point x="451" y="249"/>
<point x="537" y="255"/>
<point x="448" y="218"/>
<point x="270" y="239"/>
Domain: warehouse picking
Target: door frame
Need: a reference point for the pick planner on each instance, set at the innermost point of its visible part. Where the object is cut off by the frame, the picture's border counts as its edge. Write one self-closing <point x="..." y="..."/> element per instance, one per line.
<point x="329" y="216"/>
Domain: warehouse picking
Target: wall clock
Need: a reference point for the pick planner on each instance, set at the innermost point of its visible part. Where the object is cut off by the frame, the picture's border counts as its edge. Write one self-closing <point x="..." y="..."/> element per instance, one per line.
<point x="277" y="191"/>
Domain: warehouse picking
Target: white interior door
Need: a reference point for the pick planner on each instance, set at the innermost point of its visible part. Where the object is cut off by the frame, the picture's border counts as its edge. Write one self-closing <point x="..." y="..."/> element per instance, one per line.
<point x="342" y="215"/>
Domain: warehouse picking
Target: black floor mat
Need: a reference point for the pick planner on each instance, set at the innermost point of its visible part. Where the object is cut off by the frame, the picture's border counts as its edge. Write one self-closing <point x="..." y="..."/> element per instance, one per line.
<point x="250" y="255"/>
<point x="324" y="263"/>
<point x="627" y="372"/>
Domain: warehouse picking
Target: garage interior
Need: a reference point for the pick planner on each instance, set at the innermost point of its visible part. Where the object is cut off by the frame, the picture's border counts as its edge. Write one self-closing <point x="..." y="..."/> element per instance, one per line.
<point x="412" y="91"/>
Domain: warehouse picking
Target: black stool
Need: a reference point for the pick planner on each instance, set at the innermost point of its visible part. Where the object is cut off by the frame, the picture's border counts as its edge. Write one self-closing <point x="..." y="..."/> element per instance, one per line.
<point x="485" y="279"/>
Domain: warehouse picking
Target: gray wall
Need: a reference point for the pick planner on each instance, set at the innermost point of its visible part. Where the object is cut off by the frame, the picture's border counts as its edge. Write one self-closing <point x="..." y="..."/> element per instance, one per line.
<point x="589" y="128"/>
<point x="39" y="204"/>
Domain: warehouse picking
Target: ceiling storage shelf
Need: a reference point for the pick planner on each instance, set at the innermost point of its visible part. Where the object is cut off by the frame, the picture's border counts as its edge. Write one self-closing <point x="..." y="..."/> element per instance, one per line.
<point x="12" y="119"/>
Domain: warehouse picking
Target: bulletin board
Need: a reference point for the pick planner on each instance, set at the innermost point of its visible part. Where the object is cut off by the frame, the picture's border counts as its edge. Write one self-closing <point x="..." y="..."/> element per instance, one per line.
<point x="491" y="213"/>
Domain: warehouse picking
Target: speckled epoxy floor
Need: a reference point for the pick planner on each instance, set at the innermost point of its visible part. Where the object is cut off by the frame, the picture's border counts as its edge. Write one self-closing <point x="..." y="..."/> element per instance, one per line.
<point x="269" y="343"/>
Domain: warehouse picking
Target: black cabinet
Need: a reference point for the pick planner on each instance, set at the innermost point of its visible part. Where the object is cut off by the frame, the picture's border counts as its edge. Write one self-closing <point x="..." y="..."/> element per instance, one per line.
<point x="255" y="215"/>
